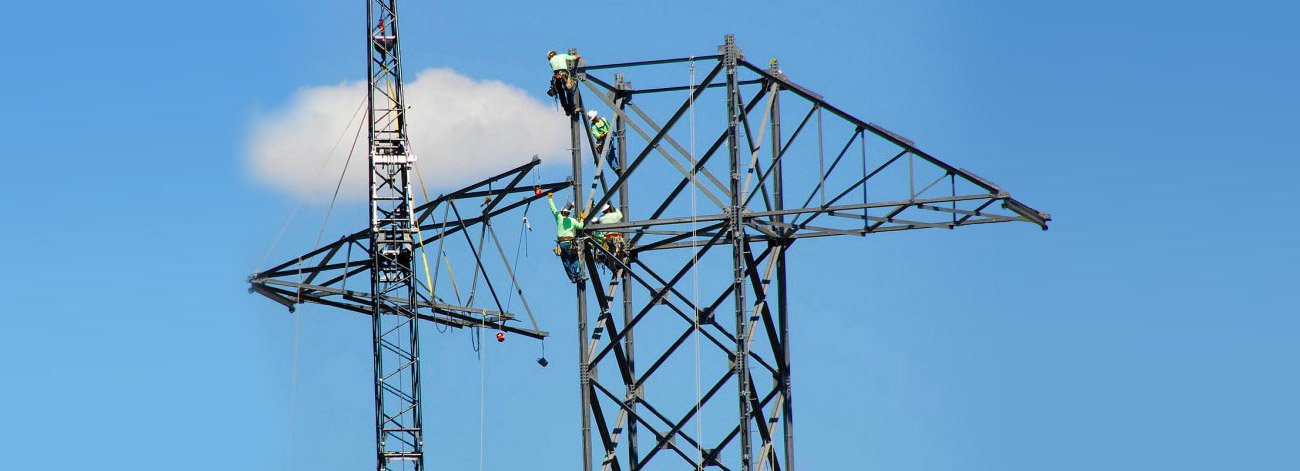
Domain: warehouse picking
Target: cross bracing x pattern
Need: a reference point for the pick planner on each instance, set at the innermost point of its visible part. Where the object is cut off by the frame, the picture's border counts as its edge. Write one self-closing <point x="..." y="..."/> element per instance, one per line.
<point x="321" y="275"/>
<point x="779" y="164"/>
<point x="462" y="218"/>
<point x="392" y="294"/>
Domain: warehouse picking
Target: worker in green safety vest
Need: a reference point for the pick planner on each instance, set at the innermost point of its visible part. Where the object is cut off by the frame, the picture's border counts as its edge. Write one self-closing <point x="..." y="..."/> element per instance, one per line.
<point x="566" y="229"/>
<point x="562" y="83"/>
<point x="612" y="242"/>
<point x="600" y="129"/>
<point x="609" y="215"/>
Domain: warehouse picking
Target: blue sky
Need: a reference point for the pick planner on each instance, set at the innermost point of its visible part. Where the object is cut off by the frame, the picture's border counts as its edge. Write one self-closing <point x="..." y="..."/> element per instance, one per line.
<point x="1150" y="328"/>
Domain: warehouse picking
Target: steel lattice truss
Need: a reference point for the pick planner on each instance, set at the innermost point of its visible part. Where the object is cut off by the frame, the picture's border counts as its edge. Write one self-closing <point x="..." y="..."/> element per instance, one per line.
<point x="321" y="275"/>
<point x="391" y="292"/>
<point x="778" y="164"/>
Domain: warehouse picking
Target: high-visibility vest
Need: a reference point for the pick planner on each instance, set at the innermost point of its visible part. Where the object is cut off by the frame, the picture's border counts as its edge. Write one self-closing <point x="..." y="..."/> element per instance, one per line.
<point x="611" y="217"/>
<point x="561" y="61"/>
<point x="565" y="226"/>
<point x="600" y="128"/>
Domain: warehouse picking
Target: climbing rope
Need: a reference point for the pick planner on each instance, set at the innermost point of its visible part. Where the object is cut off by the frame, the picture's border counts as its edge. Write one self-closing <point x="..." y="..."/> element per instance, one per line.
<point x="695" y="280"/>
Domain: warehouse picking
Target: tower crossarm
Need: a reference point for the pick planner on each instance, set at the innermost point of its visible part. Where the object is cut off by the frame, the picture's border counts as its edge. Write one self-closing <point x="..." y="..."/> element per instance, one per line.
<point x="728" y="170"/>
<point x="835" y="174"/>
<point x="322" y="276"/>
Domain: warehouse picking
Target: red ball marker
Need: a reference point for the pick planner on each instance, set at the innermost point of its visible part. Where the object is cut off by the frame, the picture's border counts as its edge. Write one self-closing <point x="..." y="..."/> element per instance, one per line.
<point x="501" y="337"/>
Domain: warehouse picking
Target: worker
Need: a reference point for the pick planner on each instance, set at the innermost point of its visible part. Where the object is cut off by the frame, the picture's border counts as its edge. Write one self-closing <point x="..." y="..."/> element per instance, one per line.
<point x="562" y="83"/>
<point x="608" y="215"/>
<point x="613" y="241"/>
<point x="600" y="129"/>
<point x="566" y="228"/>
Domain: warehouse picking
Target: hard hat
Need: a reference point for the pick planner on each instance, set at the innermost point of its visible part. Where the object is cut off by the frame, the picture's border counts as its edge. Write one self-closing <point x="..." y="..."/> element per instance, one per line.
<point x="591" y="114"/>
<point x="549" y="54"/>
<point x="605" y="208"/>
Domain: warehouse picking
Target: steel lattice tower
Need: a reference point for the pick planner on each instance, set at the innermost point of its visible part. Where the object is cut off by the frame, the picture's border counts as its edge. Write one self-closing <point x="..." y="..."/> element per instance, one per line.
<point x="639" y="422"/>
<point x="396" y="300"/>
<point x="859" y="179"/>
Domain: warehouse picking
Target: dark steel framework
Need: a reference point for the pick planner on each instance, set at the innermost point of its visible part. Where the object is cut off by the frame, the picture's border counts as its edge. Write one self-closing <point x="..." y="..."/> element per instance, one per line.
<point x="868" y="180"/>
<point x="843" y="175"/>
<point x="396" y="300"/>
<point x="321" y="277"/>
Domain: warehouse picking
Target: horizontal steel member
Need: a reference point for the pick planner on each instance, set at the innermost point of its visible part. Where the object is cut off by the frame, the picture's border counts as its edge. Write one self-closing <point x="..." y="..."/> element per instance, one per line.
<point x="652" y="62"/>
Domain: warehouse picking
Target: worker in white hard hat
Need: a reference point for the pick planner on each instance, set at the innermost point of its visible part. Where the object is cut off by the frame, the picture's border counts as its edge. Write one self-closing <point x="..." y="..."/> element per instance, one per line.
<point x="566" y="229"/>
<point x="562" y="83"/>
<point x="606" y="147"/>
<point x="613" y="241"/>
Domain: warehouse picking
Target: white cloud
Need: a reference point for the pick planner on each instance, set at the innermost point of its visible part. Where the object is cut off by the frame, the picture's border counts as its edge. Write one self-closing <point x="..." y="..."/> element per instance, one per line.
<point x="461" y="130"/>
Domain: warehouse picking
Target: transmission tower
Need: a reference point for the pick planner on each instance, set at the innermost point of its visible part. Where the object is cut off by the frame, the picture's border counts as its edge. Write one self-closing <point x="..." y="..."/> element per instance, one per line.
<point x="396" y="301"/>
<point x="709" y="269"/>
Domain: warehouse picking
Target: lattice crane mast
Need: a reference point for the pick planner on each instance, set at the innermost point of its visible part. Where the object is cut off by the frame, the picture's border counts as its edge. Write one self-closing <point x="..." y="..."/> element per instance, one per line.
<point x="396" y="301"/>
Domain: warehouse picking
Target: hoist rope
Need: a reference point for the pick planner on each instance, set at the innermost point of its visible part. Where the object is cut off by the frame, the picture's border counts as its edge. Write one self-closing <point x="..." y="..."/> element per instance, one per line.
<point x="293" y="371"/>
<point x="351" y="151"/>
<point x="330" y="210"/>
<point x="301" y="199"/>
<point x="424" y="257"/>
<point x="523" y="233"/>
<point x="482" y="392"/>
<point x="432" y="281"/>
<point x="428" y="280"/>
<point x="293" y="393"/>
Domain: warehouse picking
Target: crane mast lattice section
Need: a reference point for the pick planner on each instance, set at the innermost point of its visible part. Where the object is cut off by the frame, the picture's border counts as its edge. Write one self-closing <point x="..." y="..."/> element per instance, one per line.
<point x="381" y="256"/>
<point x="395" y="326"/>
<point x="781" y="165"/>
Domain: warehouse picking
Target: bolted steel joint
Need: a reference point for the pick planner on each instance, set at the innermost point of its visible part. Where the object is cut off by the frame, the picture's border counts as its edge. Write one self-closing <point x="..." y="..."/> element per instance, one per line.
<point x="730" y="52"/>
